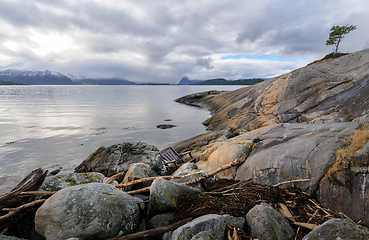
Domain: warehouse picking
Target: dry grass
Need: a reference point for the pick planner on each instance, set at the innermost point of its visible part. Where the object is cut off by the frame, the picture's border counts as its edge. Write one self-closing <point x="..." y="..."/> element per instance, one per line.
<point x="358" y="140"/>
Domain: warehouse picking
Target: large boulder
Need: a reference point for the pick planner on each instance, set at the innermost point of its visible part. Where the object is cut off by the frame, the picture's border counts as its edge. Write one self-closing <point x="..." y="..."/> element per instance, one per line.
<point x="338" y="229"/>
<point x="205" y="227"/>
<point x="119" y="157"/>
<point x="89" y="211"/>
<point x="266" y="223"/>
<point x="294" y="151"/>
<point x="164" y="195"/>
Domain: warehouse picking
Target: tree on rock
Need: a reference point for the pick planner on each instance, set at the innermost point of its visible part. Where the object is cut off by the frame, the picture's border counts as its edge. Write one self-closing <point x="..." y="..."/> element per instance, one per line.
<point x="336" y="35"/>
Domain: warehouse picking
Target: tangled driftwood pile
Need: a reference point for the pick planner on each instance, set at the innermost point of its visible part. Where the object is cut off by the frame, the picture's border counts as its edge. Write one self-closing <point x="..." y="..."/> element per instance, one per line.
<point x="303" y="212"/>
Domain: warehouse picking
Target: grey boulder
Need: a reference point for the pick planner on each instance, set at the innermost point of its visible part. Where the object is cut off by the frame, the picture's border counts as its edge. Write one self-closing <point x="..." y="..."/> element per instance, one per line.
<point x="342" y="229"/>
<point x="207" y="226"/>
<point x="119" y="157"/>
<point x="138" y="171"/>
<point x="164" y="195"/>
<point x="267" y="224"/>
<point x="89" y="211"/>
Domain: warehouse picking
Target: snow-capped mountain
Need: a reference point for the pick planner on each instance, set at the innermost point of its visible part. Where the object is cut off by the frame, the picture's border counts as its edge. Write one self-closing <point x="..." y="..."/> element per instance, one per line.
<point x="35" y="77"/>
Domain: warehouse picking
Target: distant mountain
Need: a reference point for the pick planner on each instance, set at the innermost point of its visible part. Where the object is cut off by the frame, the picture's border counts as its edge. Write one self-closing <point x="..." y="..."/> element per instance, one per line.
<point x="10" y="83"/>
<point x="222" y="81"/>
<point x="104" y="81"/>
<point x="34" y="77"/>
<point x="186" y="81"/>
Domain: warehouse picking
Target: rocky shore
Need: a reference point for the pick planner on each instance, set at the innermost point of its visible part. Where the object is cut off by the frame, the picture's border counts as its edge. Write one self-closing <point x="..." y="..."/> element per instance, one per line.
<point x="309" y="128"/>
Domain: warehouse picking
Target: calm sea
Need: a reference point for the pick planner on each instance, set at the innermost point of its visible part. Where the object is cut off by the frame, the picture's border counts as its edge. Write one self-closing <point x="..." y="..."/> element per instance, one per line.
<point x="41" y="126"/>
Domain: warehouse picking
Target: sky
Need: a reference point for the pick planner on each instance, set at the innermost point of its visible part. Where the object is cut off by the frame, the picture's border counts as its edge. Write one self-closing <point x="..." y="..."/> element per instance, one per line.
<point x="165" y="40"/>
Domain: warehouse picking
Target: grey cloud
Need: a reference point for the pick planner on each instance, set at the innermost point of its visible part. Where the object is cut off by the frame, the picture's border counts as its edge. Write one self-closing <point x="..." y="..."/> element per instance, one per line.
<point x="176" y="38"/>
<point x="205" y="62"/>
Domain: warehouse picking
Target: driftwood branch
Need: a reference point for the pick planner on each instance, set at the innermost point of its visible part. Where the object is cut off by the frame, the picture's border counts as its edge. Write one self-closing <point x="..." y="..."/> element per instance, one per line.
<point x="151" y="179"/>
<point x="15" y="211"/>
<point x="31" y="182"/>
<point x="114" y="177"/>
<point x="210" y="174"/>
<point x="292" y="181"/>
<point x="197" y="180"/>
<point x="153" y="232"/>
<point x="225" y="190"/>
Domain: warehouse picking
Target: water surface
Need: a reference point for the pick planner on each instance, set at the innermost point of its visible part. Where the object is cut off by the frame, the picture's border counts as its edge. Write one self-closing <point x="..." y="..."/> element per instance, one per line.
<point x="41" y="126"/>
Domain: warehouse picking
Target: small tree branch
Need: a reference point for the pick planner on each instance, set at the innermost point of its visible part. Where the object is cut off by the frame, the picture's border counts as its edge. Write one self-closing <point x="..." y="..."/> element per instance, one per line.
<point x="151" y="179"/>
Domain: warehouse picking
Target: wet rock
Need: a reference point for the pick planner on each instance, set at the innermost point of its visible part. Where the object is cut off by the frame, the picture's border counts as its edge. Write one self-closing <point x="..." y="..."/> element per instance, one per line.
<point x="207" y="226"/>
<point x="118" y="158"/>
<point x="165" y="126"/>
<point x="89" y="211"/>
<point x="267" y="224"/>
<point x="338" y="229"/>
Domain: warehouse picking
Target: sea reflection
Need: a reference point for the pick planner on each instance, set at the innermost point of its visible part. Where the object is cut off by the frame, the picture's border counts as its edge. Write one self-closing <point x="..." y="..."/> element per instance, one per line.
<point x="43" y="125"/>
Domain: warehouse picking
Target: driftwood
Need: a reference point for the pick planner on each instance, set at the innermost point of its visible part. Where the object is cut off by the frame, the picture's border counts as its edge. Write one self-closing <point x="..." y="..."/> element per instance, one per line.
<point x="151" y="179"/>
<point x="31" y="182"/>
<point x="292" y="181"/>
<point x="153" y="232"/>
<point x="197" y="180"/>
<point x="210" y="174"/>
<point x="15" y="211"/>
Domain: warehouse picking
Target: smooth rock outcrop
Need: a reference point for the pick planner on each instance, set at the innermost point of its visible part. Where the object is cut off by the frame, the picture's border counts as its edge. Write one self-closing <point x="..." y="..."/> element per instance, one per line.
<point x="338" y="85"/>
<point x="118" y="158"/>
<point x="207" y="226"/>
<point x="335" y="229"/>
<point x="164" y="195"/>
<point x="266" y="223"/>
<point x="294" y="151"/>
<point x="88" y="211"/>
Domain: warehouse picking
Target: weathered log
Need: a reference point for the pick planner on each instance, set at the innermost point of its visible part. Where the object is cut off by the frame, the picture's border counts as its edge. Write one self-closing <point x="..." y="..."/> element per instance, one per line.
<point x="151" y="179"/>
<point x="11" y="214"/>
<point x="31" y="182"/>
<point x="153" y="232"/>
<point x="197" y="180"/>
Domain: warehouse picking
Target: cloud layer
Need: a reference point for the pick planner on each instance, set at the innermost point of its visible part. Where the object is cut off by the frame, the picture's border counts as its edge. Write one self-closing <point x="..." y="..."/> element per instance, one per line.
<point x="162" y="41"/>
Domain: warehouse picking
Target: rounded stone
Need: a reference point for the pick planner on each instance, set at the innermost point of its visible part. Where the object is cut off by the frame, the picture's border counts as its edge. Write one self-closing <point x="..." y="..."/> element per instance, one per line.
<point x="89" y="211"/>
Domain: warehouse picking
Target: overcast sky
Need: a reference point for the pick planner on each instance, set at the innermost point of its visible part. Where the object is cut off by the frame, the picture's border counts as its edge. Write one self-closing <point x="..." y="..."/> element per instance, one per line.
<point x="163" y="40"/>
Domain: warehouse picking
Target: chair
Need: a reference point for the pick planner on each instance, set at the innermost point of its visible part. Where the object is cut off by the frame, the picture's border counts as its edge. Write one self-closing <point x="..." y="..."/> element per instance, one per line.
<point x="169" y="156"/>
